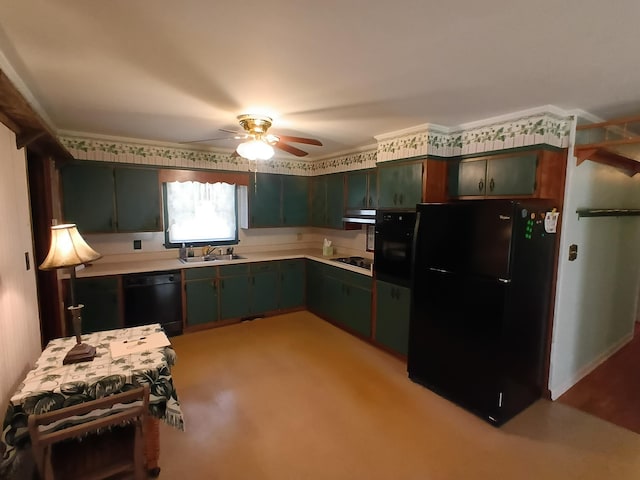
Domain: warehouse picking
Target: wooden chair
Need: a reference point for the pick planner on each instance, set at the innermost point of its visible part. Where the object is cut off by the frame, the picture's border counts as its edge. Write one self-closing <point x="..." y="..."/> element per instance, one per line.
<point x="101" y="448"/>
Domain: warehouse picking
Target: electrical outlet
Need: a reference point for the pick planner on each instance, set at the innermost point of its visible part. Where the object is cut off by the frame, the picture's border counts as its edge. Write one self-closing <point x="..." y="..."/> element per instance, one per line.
<point x="137" y="244"/>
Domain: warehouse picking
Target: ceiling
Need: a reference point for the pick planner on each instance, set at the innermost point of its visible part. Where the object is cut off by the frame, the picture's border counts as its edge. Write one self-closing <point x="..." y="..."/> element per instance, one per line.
<point x="339" y="71"/>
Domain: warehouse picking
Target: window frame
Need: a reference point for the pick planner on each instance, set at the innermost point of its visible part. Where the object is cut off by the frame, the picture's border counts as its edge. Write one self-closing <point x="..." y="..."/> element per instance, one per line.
<point x="235" y="179"/>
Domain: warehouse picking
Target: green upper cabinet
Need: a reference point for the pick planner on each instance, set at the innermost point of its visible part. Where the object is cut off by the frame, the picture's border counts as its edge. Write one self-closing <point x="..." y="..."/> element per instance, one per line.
<point x="327" y="201"/>
<point x="295" y="201"/>
<point x="335" y="200"/>
<point x="318" y="201"/>
<point x="265" y="198"/>
<point x="278" y="200"/>
<point x="400" y="186"/>
<point x="502" y="175"/>
<point x="88" y="199"/>
<point x="101" y="199"/>
<point x="514" y="175"/>
<point x="393" y="305"/>
<point x="292" y="283"/>
<point x="362" y="189"/>
<point x="137" y="200"/>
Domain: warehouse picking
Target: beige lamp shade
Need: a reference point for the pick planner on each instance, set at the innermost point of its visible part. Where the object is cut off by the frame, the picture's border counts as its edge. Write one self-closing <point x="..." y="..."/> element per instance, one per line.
<point x="68" y="248"/>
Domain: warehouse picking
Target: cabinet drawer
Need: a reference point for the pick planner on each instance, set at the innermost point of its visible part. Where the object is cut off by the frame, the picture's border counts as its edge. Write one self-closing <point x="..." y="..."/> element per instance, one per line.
<point x="233" y="270"/>
<point x="201" y="273"/>
<point x="261" y="267"/>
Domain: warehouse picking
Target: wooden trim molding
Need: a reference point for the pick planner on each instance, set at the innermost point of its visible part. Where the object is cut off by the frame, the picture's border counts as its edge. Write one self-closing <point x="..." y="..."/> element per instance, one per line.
<point x="629" y="166"/>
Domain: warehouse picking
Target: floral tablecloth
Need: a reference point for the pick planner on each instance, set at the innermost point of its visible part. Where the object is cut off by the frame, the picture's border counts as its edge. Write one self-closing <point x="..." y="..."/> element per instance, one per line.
<point x="52" y="385"/>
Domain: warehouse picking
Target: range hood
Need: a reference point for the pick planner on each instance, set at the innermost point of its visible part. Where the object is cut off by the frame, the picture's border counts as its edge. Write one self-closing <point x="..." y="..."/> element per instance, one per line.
<point x="360" y="216"/>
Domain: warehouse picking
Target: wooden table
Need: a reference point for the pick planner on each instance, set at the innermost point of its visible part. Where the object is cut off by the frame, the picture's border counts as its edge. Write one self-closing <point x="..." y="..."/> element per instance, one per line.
<point x="52" y="385"/>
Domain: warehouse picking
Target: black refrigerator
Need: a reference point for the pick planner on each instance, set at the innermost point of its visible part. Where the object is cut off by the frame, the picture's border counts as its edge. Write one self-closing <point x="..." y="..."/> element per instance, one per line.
<point x="481" y="285"/>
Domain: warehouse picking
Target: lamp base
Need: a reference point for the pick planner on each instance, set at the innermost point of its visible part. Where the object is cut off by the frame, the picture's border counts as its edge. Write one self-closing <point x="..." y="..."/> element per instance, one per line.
<point x="81" y="352"/>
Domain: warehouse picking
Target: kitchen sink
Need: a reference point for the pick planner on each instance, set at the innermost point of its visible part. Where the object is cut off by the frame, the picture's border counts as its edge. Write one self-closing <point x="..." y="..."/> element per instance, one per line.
<point x="211" y="258"/>
<point x="230" y="256"/>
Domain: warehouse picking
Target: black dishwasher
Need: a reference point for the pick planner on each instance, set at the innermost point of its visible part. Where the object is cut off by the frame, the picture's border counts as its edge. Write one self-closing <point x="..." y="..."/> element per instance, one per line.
<point x="153" y="297"/>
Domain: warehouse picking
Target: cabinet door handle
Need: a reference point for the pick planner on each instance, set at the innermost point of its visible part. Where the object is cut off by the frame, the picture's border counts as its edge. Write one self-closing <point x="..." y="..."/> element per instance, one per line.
<point x="401" y="198"/>
<point x="492" y="185"/>
<point x="214" y="284"/>
<point x="395" y="198"/>
<point x="481" y="185"/>
<point x="222" y="283"/>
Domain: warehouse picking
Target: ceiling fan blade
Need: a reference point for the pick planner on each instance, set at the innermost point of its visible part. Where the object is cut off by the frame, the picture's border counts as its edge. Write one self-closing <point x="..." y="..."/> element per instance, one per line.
<point x="308" y="141"/>
<point x="208" y="140"/>
<point x="235" y="132"/>
<point x="289" y="149"/>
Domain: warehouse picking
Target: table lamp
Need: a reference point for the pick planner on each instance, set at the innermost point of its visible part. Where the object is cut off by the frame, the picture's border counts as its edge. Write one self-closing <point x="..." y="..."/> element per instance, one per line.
<point x="68" y="250"/>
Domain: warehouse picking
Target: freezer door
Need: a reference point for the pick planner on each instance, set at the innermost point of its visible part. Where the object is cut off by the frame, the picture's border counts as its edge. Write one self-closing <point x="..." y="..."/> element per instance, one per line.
<point x="455" y="339"/>
<point x="470" y="237"/>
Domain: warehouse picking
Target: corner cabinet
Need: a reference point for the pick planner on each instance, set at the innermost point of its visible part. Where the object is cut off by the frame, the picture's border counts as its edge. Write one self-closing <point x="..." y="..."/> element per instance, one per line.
<point x="106" y="199"/>
<point x="340" y="296"/>
<point x="533" y="173"/>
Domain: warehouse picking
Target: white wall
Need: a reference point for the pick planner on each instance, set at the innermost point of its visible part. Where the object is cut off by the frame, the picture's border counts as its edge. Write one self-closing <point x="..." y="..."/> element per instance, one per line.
<point x="19" y="322"/>
<point x="596" y="297"/>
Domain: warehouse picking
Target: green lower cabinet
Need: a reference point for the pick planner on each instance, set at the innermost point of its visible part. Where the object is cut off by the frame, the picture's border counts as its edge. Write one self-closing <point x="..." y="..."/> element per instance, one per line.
<point x="292" y="284"/>
<point x="233" y="291"/>
<point x="263" y="292"/>
<point x="202" y="302"/>
<point x="100" y="297"/>
<point x="393" y="304"/>
<point x="315" y="287"/>
<point x="341" y="296"/>
<point x="356" y="309"/>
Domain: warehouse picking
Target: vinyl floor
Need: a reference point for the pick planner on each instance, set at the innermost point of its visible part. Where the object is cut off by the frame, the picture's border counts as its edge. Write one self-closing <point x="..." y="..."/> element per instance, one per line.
<point x="293" y="397"/>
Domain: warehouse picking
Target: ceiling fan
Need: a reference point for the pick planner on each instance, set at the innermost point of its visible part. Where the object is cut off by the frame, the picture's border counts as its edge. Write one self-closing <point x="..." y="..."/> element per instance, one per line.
<point x="258" y="144"/>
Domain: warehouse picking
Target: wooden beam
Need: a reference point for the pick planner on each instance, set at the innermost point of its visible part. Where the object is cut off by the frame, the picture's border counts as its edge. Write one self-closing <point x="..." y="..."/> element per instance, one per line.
<point x="30" y="129"/>
<point x="627" y="165"/>
<point x="24" y="139"/>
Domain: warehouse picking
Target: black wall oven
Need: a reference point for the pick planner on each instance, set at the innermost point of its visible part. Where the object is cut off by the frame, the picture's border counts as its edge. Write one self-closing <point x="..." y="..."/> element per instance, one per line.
<point x="393" y="246"/>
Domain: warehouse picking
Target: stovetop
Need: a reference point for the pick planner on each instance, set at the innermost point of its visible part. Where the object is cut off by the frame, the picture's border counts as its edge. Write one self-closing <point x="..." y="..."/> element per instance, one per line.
<point x="356" y="261"/>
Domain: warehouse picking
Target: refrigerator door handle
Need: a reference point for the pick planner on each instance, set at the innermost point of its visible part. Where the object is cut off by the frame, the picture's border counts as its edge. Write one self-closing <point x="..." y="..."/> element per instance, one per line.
<point x="504" y="280"/>
<point x="439" y="270"/>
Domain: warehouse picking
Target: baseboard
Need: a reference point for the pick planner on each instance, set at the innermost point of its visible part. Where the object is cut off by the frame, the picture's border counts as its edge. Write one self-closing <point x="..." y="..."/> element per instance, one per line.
<point x="556" y="392"/>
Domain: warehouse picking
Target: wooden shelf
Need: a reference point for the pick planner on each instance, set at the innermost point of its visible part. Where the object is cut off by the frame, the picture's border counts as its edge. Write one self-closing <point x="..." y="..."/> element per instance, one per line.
<point x="607" y="212"/>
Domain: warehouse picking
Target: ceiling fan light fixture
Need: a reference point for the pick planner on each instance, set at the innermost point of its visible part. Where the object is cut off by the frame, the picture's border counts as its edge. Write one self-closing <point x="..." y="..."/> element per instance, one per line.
<point x="255" y="150"/>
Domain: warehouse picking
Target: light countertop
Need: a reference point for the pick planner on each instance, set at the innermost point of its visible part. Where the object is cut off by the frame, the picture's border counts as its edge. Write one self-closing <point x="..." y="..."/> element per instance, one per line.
<point x="104" y="267"/>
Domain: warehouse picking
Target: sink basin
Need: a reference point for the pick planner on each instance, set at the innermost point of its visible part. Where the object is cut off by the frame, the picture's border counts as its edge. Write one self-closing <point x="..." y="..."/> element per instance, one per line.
<point x="211" y="258"/>
<point x="198" y="259"/>
<point x="231" y="256"/>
